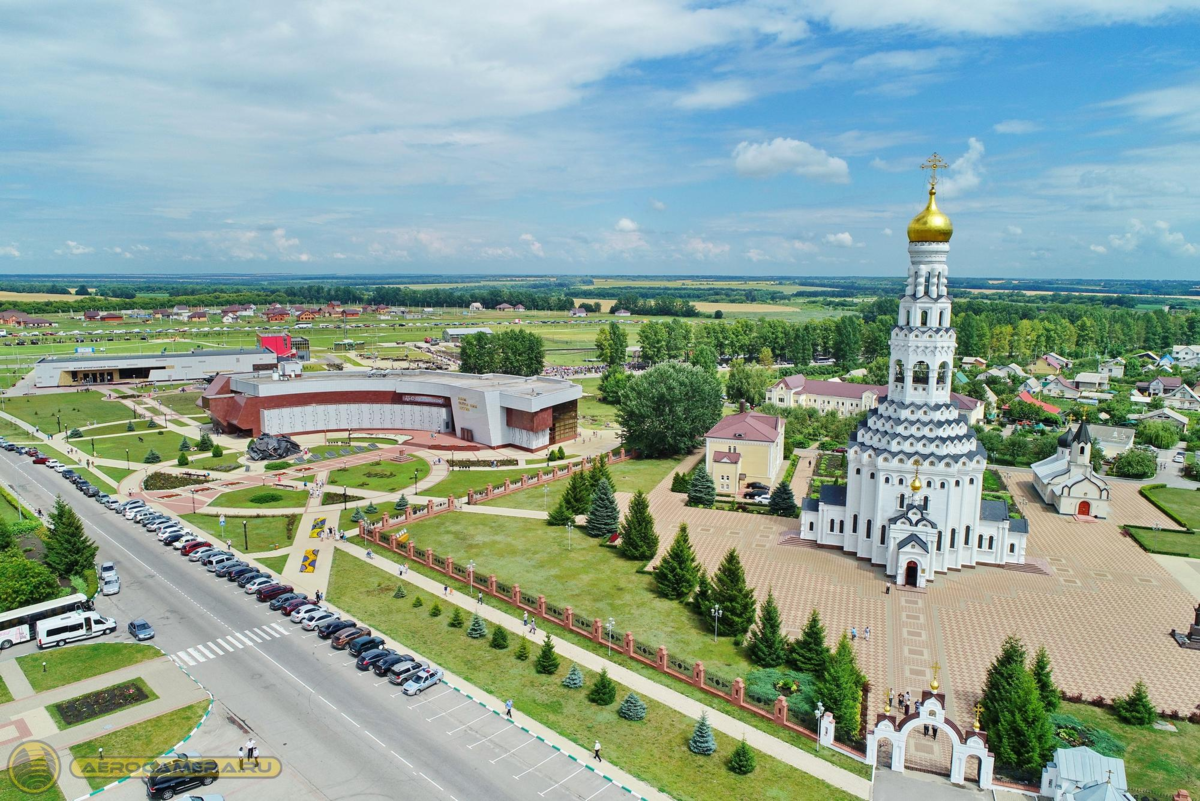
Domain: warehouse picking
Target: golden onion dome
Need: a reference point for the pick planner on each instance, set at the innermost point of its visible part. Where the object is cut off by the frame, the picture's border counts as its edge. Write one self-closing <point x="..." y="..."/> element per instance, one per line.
<point x="915" y="486"/>
<point x="931" y="225"/>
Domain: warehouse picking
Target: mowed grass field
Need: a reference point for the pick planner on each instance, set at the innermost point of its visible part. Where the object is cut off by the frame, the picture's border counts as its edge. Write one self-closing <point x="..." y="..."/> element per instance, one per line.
<point x="261" y="533"/>
<point x="381" y="476"/>
<point x="75" y="409"/>
<point x="1184" y="503"/>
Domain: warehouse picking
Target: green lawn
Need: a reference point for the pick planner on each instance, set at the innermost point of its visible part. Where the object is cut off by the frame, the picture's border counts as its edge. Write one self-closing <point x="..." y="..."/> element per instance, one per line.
<point x="1184" y="503"/>
<point x="264" y="533"/>
<point x="381" y="476"/>
<point x="240" y="499"/>
<point x="273" y="563"/>
<point x="630" y="476"/>
<point x="76" y="409"/>
<point x="1157" y="762"/>
<point x="9" y="791"/>
<point x="115" y="473"/>
<point x="593" y="412"/>
<point x="148" y="739"/>
<point x="357" y="440"/>
<point x="78" y="662"/>
<point x="165" y="442"/>
<point x="111" y="429"/>
<point x="459" y="481"/>
<point x="655" y="750"/>
<point x="1171" y="543"/>
<point x="52" y="709"/>
<point x="5" y="694"/>
<point x="181" y="402"/>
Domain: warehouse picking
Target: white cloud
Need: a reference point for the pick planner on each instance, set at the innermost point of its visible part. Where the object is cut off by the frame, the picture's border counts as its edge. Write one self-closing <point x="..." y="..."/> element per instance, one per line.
<point x="703" y="249"/>
<point x="626" y="225"/>
<point x="712" y="96"/>
<point x="497" y="253"/>
<point x="120" y="252"/>
<point x="74" y="249"/>
<point x="1158" y="236"/>
<point x="657" y="205"/>
<point x="805" y="247"/>
<point x="1015" y="230"/>
<point x="1177" y="105"/>
<point x="1016" y="127"/>
<point x="842" y="240"/>
<point x="535" y="247"/>
<point x="780" y="155"/>
<point x="10" y="251"/>
<point x="965" y="173"/>
<point x="887" y="231"/>
<point x="1098" y="249"/>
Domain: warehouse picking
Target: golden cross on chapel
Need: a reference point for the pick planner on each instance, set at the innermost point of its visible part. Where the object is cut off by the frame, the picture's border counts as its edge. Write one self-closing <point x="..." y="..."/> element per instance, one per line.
<point x="933" y="164"/>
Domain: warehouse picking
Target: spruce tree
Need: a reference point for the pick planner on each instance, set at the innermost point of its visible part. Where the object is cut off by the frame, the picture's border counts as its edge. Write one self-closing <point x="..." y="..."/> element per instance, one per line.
<point x="742" y="761"/>
<point x="604" y="691"/>
<point x="809" y="654"/>
<point x="599" y="472"/>
<point x="184" y="445"/>
<point x="435" y="610"/>
<point x="129" y="426"/>
<point x="840" y="690"/>
<point x="1043" y="676"/>
<point x="604" y="515"/>
<point x="574" y="679"/>
<point x="702" y="601"/>
<point x="1136" y="708"/>
<point x="418" y="602"/>
<point x="1002" y="678"/>
<point x="182" y="459"/>
<point x="151" y="457"/>
<point x="678" y="572"/>
<point x="69" y="551"/>
<point x="217" y="450"/>
<point x="736" y="599"/>
<point x="499" y="638"/>
<point x="578" y="496"/>
<point x="1018" y="727"/>
<point x="523" y="650"/>
<point x="638" y="538"/>
<point x="703" y="742"/>
<point x="632" y="708"/>
<point x="768" y="644"/>
<point x="679" y="482"/>
<point x="701" y="490"/>
<point x="547" y="660"/>
<point x="783" y="501"/>
<point x="559" y="516"/>
<point x="478" y="629"/>
<point x="401" y="503"/>
<point x="457" y="621"/>
<point x="205" y="442"/>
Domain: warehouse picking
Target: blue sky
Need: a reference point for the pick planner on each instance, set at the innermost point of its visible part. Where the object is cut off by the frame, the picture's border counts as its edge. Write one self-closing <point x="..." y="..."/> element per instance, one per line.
<point x="740" y="138"/>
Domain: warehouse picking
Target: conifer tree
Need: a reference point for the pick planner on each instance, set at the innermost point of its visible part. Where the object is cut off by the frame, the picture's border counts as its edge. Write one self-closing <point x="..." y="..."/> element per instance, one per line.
<point x="1043" y="677"/>
<point x="735" y="598"/>
<point x="401" y="503"/>
<point x="701" y="490"/>
<point x="679" y="482"/>
<point x="182" y="459"/>
<point x="478" y="629"/>
<point x="638" y="538"/>
<point x="742" y="761"/>
<point x="217" y="450"/>
<point x="600" y="472"/>
<point x="499" y="638"/>
<point x="184" y="445"/>
<point x="434" y="611"/>
<point x="1018" y="728"/>
<point x="783" y="501"/>
<point x="578" y="496"/>
<point x="678" y="572"/>
<point x="559" y="516"/>
<point x="151" y="457"/>
<point x="703" y="742"/>
<point x="547" y="660"/>
<point x="632" y="708"/>
<point x="574" y="679"/>
<point x="702" y="601"/>
<point x="69" y="551"/>
<point x="768" y="644"/>
<point x="604" y="691"/>
<point x="1136" y="708"/>
<point x="604" y="515"/>
<point x="456" y="618"/>
<point x="840" y="690"/>
<point x="809" y="654"/>
<point x="418" y="602"/>
<point x="205" y="442"/>
<point x="523" y="650"/>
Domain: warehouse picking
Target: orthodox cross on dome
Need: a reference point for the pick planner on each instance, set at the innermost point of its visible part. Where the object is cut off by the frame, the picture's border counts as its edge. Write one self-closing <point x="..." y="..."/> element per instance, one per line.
<point x="933" y="685"/>
<point x="933" y="164"/>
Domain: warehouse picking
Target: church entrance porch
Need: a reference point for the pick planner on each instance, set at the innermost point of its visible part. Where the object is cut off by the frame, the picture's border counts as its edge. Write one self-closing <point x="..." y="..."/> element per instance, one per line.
<point x="1085" y="509"/>
<point x="911" y="571"/>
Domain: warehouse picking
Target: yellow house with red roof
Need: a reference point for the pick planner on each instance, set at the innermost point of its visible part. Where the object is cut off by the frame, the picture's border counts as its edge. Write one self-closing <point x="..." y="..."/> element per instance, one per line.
<point x="742" y="448"/>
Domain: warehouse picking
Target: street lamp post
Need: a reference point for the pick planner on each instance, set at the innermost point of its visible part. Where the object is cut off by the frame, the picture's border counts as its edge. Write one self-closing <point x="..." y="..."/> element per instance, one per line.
<point x="717" y="614"/>
<point x="416" y="481"/>
<point x="819" y="712"/>
<point x="609" y="625"/>
<point x="127" y="458"/>
<point x="93" y="446"/>
<point x="570" y="528"/>
<point x="245" y="537"/>
<point x="193" y="502"/>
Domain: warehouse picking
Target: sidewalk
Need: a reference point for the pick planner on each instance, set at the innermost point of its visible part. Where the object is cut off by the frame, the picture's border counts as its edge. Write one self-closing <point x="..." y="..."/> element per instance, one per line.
<point x="760" y="740"/>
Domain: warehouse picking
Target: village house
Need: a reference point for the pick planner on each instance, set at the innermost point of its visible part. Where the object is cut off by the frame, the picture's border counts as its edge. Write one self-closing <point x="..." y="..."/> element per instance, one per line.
<point x="742" y="448"/>
<point x="1113" y="368"/>
<point x="1171" y="389"/>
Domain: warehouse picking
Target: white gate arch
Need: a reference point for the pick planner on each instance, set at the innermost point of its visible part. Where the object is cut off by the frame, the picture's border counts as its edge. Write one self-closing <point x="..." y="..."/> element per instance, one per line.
<point x="964" y="745"/>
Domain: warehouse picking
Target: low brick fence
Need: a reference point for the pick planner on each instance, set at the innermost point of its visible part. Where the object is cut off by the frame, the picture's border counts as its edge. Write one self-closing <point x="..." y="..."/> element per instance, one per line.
<point x="684" y="669"/>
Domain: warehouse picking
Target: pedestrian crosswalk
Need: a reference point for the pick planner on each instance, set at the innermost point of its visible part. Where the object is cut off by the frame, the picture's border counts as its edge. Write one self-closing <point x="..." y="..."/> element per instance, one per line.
<point x="220" y="646"/>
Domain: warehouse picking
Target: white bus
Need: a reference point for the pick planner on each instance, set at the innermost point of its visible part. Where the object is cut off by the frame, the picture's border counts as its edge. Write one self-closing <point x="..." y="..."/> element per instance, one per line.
<point x="71" y="627"/>
<point x="17" y="625"/>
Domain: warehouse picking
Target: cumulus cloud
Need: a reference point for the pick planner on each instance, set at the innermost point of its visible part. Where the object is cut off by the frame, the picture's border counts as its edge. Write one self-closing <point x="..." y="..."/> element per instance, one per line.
<point x="120" y="252"/>
<point x="535" y="247"/>
<point x="10" y="251"/>
<point x="887" y="231"/>
<point x="703" y="249"/>
<point x="965" y="173"/>
<point x="1098" y="249"/>
<point x="712" y="96"/>
<point x="780" y="155"/>
<point x="72" y="248"/>
<point x="626" y="225"/>
<point x="805" y="247"/>
<point x="842" y="240"/>
<point x="657" y="205"/>
<point x="1016" y="127"/>
<point x="1158" y="236"/>
<point x="1014" y="230"/>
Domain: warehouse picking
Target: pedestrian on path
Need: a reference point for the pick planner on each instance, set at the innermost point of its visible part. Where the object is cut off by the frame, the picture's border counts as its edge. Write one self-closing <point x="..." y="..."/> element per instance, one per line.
<point x="867" y="634"/>
<point x="256" y="755"/>
<point x="241" y="757"/>
<point x="481" y="599"/>
<point x="229" y="544"/>
<point x="935" y="731"/>
<point x="533" y="626"/>
<point x="445" y="591"/>
<point x="508" y="709"/>
<point x="853" y="634"/>
<point x="524" y="618"/>
<point x="596" y="751"/>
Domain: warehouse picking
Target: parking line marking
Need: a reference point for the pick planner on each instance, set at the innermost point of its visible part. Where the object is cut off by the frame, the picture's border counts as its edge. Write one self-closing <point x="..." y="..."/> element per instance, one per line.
<point x="308" y="636"/>
<point x="243" y="636"/>
<point x="351" y="662"/>
<point x="347" y="717"/>
<point x="195" y="655"/>
<point x="331" y="706"/>
<point x="191" y="662"/>
<point x="490" y="736"/>
<point x="282" y="629"/>
<point x="538" y="765"/>
<point x="607" y="784"/>
<point x="548" y="789"/>
<point x="531" y="739"/>
<point x="373" y="737"/>
<point x="431" y="781"/>
<point x="253" y="636"/>
<point x="448" y="711"/>
<point x="402" y="759"/>
<point x="385" y="681"/>
<point x="434" y="698"/>
<point x="465" y="725"/>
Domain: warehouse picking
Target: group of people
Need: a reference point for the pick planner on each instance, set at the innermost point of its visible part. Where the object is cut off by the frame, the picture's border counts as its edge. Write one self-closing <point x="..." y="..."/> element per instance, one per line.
<point x="330" y="533"/>
<point x="247" y="751"/>
<point x="854" y="633"/>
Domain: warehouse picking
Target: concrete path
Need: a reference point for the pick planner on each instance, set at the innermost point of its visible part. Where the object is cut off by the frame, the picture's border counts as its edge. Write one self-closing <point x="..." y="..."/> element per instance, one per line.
<point x="1185" y="570"/>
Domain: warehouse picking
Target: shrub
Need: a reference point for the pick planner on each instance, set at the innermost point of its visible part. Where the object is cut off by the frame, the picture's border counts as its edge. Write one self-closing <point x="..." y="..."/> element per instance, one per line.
<point x="400" y="592"/>
<point x="129" y="426"/>
<point x="547" y="661"/>
<point x="679" y="482"/>
<point x="703" y="742"/>
<point x="372" y="509"/>
<point x="418" y="603"/>
<point x="478" y="629"/>
<point x="559" y="516"/>
<point x="1135" y="708"/>
<point x="435" y="610"/>
<point x="604" y="691"/>
<point x="401" y="503"/>
<point x="183" y="460"/>
<point x="217" y="450"/>
<point x="167" y="481"/>
<point x="499" y="638"/>
<point x="457" y="621"/>
<point x="265" y="497"/>
<point x="1072" y="732"/>
<point x="184" y="445"/>
<point x="74" y="433"/>
<point x="632" y="708"/>
<point x="574" y="679"/>
<point x="205" y="442"/>
<point x="741" y="761"/>
<point x="275" y="465"/>
<point x="152" y="457"/>
<point x="523" y="650"/>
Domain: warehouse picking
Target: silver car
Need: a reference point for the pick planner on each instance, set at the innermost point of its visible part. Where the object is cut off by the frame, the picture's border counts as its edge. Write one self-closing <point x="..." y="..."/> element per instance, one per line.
<point x="304" y="611"/>
<point x="111" y="585"/>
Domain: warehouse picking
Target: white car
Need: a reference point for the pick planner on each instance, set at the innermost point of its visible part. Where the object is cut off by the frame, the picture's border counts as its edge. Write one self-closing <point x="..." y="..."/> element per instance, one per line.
<point x="201" y="554"/>
<point x="1179" y="457"/>
<point x="317" y="618"/>
<point x="304" y="611"/>
<point x="763" y="500"/>
<point x="107" y="570"/>
<point x="111" y="585"/>
<point x="257" y="584"/>
<point x="58" y="468"/>
<point x="54" y="464"/>
<point x="184" y="540"/>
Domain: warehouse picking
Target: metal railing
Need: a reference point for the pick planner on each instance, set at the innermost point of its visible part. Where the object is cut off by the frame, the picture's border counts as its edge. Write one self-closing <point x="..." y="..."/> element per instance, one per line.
<point x="459" y="570"/>
<point x="681" y="665"/>
<point x="645" y="651"/>
<point x="555" y="612"/>
<point x="503" y="589"/>
<point x="528" y="600"/>
<point x="760" y="700"/>
<point x="582" y="623"/>
<point x="439" y="561"/>
<point x="419" y="553"/>
<point x="718" y="682"/>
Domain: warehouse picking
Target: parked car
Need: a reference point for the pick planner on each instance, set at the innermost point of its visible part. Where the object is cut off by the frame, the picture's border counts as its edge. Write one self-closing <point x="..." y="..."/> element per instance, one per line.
<point x="140" y="630"/>
<point x="273" y="591"/>
<point x="234" y="575"/>
<point x="41" y="459"/>
<point x="382" y="666"/>
<point x="171" y="539"/>
<point x="257" y="584"/>
<point x="332" y="627"/>
<point x="111" y="585"/>
<point x="422" y="681"/>
<point x="362" y="644"/>
<point x="300" y="611"/>
<point x="310" y="622"/>
<point x="368" y="658"/>
<point x="172" y="778"/>
<point x="202" y="553"/>
<point x="1179" y="457"/>
<point x="112" y="503"/>
<point x="403" y="671"/>
<point x="102" y="498"/>
<point x="285" y="599"/>
<point x="291" y="606"/>
<point x="186" y="539"/>
<point x="762" y="499"/>
<point x="222" y="565"/>
<point x="758" y="485"/>
<point x="90" y="491"/>
<point x="249" y="577"/>
<point x="107" y="569"/>
<point x="343" y="638"/>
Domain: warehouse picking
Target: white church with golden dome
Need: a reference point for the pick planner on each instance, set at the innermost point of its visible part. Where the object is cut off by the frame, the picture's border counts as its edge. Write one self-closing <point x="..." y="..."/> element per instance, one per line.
<point x="912" y="502"/>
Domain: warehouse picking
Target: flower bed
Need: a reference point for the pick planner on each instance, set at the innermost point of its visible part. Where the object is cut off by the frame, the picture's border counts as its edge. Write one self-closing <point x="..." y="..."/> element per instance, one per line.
<point x="87" y="707"/>
<point x="170" y="481"/>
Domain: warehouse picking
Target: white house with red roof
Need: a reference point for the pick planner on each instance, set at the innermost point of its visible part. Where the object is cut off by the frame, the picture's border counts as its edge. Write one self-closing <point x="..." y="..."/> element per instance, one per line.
<point x="742" y="448"/>
<point x="847" y="398"/>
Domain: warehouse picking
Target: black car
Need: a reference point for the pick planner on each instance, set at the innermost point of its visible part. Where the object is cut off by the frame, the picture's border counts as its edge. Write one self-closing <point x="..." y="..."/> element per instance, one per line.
<point x="249" y="577"/>
<point x="382" y="666"/>
<point x="403" y="671"/>
<point x="283" y="600"/>
<point x="369" y="657"/>
<point x="758" y="485"/>
<point x="224" y="570"/>
<point x="171" y="539"/>
<point x="364" y="644"/>
<point x="90" y="491"/>
<point x="332" y="627"/>
<point x="756" y="493"/>
<point x="172" y="778"/>
<point x="234" y="575"/>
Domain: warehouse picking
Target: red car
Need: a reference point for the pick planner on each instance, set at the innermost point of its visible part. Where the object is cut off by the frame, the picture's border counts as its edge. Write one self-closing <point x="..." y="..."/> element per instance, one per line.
<point x="32" y="452"/>
<point x="41" y="459"/>
<point x="291" y="606"/>
<point x="272" y="591"/>
<point x="188" y="549"/>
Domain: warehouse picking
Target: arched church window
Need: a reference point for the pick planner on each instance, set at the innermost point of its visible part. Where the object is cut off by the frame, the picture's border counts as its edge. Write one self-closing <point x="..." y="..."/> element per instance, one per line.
<point x="957" y="483"/>
<point x="908" y="317"/>
<point x="941" y="485"/>
<point x="883" y="535"/>
<point x="1081" y="450"/>
<point x="967" y="538"/>
<point x="854" y="525"/>
<point x="868" y="529"/>
<point x="831" y="525"/>
<point x="939" y="541"/>
<point x="924" y="318"/>
<point x="858" y="471"/>
<point x="953" y="537"/>
<point x="925" y="503"/>
<point x="942" y="318"/>
<point x="841" y="527"/>
<point x="901" y="504"/>
<point x="943" y="374"/>
<point x="991" y="543"/>
<point x="980" y="543"/>
<point x="887" y="479"/>
<point x="920" y="374"/>
<point x="811" y="525"/>
<point x="898" y="373"/>
<point x="971" y="481"/>
<point x="871" y="476"/>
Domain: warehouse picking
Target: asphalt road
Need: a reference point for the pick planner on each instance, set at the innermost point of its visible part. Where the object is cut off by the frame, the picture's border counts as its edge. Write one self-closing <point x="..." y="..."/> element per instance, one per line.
<point x="342" y="733"/>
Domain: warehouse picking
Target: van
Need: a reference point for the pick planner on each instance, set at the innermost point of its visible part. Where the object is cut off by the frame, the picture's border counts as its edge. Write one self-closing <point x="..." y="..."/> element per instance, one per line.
<point x="215" y="562"/>
<point x="71" y="627"/>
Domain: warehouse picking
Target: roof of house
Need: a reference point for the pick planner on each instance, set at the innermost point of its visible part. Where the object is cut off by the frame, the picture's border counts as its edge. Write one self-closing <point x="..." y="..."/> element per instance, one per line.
<point x="753" y="426"/>
<point x="1168" y="382"/>
<point x="832" y="389"/>
<point x="833" y="494"/>
<point x="1050" y="468"/>
<point x="1165" y="411"/>
<point x="462" y="332"/>
<point x="1025" y="396"/>
<point x="1018" y="525"/>
<point x="810" y="505"/>
<point x="1091" y="378"/>
<point x="727" y="456"/>
<point x="1082" y="765"/>
<point x="1114" y="433"/>
<point x="995" y="511"/>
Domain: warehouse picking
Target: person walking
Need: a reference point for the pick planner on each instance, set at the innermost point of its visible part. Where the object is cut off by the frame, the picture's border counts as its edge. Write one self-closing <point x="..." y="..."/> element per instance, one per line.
<point x="596" y="751"/>
<point x="867" y="634"/>
<point x="853" y="634"/>
<point x="241" y="757"/>
<point x="445" y="591"/>
<point x="524" y="618"/>
<point x="508" y="709"/>
<point x="481" y="599"/>
<point x="256" y="756"/>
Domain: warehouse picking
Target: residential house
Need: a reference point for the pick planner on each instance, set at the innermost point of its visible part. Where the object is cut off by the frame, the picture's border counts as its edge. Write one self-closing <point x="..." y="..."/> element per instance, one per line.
<point x="742" y="448"/>
<point x="197" y="317"/>
<point x="103" y="317"/>
<point x="578" y="312"/>
<point x="161" y="314"/>
<point x="307" y="315"/>
<point x="1164" y="415"/>
<point x="1045" y="407"/>
<point x="1091" y="382"/>
<point x="1187" y="355"/>
<point x="1171" y="389"/>
<point x="455" y="335"/>
<point x="1010" y="371"/>
<point x="1081" y="774"/>
<point x="504" y="307"/>
<point x="229" y="318"/>
<point x="1113" y="440"/>
<point x="476" y="307"/>
<point x="1052" y="362"/>
<point x="1060" y="387"/>
<point x="278" y="316"/>
<point x="847" y="398"/>
<point x="519" y="308"/>
<point x="1113" y="368"/>
<point x="973" y="361"/>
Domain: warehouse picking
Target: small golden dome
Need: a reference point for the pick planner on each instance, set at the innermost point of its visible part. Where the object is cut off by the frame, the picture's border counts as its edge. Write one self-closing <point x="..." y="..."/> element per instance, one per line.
<point x="915" y="486"/>
<point x="931" y="225"/>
